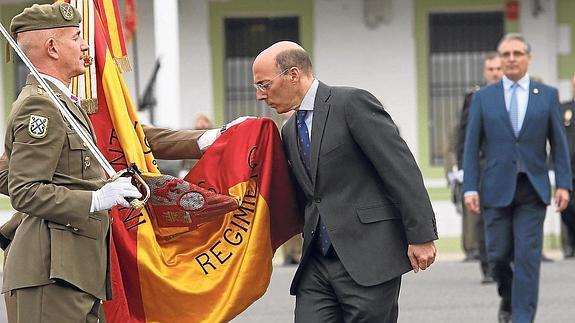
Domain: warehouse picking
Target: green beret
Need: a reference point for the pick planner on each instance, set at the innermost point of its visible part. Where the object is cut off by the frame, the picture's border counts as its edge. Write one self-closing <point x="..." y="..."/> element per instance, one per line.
<point x="46" y="16"/>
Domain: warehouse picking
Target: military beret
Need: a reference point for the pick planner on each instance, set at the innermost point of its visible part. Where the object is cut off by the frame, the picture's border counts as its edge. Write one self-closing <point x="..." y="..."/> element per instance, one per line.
<point x="46" y="16"/>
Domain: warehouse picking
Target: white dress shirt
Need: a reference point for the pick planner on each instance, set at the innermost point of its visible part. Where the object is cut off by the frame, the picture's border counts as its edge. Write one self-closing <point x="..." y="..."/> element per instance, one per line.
<point x="522" y="93"/>
<point x="59" y="84"/>
<point x="307" y="105"/>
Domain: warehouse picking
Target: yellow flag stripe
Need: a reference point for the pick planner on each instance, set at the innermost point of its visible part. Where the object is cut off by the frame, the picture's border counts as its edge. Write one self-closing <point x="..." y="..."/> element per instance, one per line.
<point x="113" y="30"/>
<point x="131" y="136"/>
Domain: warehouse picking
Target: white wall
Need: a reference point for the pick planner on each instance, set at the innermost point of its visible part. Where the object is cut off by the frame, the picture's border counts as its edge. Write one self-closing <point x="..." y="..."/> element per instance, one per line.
<point x="194" y="77"/>
<point x="146" y="52"/>
<point x="166" y="34"/>
<point x="196" y="63"/>
<point x="380" y="60"/>
<point x="540" y="31"/>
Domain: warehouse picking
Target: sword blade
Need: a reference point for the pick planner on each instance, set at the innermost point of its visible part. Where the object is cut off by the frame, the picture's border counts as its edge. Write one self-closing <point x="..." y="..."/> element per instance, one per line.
<point x="84" y="135"/>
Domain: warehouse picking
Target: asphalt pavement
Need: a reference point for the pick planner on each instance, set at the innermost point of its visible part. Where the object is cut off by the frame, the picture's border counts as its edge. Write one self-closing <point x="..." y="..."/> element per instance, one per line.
<point x="448" y="292"/>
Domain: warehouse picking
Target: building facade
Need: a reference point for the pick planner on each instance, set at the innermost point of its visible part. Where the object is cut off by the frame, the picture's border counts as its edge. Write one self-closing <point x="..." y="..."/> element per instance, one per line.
<point x="417" y="56"/>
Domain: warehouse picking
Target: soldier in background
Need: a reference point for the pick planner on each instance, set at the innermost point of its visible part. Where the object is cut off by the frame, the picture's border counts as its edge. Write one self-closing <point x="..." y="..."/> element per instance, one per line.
<point x="568" y="215"/>
<point x="473" y="234"/>
<point x="203" y="122"/>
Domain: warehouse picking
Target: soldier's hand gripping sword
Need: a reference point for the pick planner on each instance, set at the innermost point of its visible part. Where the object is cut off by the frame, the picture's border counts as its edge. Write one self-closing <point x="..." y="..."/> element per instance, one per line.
<point x="86" y="138"/>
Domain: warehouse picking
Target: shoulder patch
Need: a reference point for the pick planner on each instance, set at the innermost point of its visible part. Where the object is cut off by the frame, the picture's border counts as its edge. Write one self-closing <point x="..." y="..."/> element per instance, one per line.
<point x="38" y="126"/>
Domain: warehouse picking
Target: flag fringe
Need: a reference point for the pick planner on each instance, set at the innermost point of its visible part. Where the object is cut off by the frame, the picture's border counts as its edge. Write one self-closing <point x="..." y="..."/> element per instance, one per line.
<point x="123" y="64"/>
<point x="89" y="105"/>
<point x="7" y="53"/>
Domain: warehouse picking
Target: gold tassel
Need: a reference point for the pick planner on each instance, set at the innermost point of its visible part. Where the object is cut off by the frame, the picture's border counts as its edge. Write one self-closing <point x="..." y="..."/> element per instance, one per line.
<point x="7" y="53"/>
<point x="123" y="64"/>
<point x="89" y="105"/>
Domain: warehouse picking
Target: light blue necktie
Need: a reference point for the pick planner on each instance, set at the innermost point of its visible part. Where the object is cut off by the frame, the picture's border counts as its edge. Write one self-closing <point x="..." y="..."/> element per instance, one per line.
<point x="514" y="110"/>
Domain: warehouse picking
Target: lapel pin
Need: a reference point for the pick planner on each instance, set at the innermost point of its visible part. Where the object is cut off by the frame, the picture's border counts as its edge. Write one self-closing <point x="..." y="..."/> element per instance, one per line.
<point x="535" y="91"/>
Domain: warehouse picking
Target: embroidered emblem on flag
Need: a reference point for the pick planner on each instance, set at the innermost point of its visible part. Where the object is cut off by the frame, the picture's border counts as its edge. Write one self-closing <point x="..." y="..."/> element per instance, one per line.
<point x="38" y="126"/>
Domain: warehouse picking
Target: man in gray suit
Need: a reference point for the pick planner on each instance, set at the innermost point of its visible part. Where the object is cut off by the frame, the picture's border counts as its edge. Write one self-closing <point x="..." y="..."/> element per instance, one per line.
<point x="368" y="218"/>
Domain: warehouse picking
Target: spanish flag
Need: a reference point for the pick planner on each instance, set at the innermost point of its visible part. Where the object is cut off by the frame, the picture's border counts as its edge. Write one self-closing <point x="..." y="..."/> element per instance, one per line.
<point x="213" y="272"/>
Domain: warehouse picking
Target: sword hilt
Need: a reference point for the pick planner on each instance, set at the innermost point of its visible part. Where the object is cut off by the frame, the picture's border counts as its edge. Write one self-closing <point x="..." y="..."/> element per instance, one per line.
<point x="133" y="172"/>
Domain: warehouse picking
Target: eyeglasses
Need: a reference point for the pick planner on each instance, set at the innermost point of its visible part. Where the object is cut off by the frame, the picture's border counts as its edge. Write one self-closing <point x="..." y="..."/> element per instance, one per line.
<point x="515" y="53"/>
<point x="263" y="87"/>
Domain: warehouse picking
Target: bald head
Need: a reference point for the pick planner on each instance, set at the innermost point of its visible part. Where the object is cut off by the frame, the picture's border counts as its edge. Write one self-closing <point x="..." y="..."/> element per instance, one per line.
<point x="36" y="44"/>
<point x="31" y="41"/>
<point x="286" y="54"/>
<point x="282" y="75"/>
<point x="280" y="47"/>
<point x="58" y="52"/>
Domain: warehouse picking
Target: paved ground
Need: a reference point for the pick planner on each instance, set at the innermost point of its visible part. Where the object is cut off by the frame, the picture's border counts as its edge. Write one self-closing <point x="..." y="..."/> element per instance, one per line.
<point x="449" y="292"/>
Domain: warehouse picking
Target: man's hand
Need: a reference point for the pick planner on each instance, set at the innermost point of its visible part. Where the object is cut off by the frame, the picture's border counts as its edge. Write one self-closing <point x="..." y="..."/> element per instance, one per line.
<point x="472" y="203"/>
<point x="561" y="199"/>
<point x="421" y="255"/>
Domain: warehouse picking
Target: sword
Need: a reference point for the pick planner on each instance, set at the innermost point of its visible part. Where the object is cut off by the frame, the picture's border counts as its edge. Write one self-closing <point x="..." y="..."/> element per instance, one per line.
<point x="84" y="135"/>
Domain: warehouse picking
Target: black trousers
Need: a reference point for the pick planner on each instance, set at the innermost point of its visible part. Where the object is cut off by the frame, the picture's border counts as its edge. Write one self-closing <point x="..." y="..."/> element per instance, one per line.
<point x="568" y="217"/>
<point x="328" y="294"/>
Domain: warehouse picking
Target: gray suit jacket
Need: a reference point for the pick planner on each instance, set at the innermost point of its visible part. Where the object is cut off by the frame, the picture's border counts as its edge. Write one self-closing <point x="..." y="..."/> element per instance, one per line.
<point x="364" y="183"/>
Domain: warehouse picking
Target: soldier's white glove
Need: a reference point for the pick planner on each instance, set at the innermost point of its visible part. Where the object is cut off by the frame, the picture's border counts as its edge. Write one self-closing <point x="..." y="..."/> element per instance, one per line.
<point x="238" y="121"/>
<point x="114" y="193"/>
<point x="208" y="138"/>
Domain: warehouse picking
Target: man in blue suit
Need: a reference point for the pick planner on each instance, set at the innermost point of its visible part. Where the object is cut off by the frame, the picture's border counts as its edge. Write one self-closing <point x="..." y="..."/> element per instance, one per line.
<point x="512" y="120"/>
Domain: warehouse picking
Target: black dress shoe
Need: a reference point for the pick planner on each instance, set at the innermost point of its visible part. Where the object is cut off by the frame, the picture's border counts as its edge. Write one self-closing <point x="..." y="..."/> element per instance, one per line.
<point x="487" y="280"/>
<point x="544" y="258"/>
<point x="471" y="257"/>
<point x="504" y="317"/>
<point x="504" y="313"/>
<point x="290" y="261"/>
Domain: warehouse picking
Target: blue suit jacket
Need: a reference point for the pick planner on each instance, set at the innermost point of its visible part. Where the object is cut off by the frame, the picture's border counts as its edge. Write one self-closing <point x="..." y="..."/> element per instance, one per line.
<point x="505" y="154"/>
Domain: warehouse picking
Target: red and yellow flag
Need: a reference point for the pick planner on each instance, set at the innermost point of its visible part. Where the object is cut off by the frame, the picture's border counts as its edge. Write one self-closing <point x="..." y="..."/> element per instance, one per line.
<point x="113" y="31"/>
<point x="214" y="272"/>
